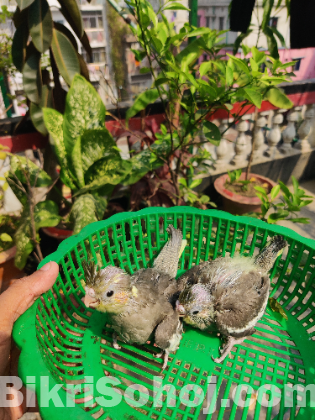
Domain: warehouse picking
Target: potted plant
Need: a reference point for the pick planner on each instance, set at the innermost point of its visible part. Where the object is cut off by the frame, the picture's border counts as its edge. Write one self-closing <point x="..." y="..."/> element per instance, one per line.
<point x="25" y="178"/>
<point x="239" y="194"/>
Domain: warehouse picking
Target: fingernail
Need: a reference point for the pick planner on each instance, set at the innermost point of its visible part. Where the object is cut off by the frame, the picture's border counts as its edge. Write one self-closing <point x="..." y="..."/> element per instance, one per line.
<point x="46" y="267"/>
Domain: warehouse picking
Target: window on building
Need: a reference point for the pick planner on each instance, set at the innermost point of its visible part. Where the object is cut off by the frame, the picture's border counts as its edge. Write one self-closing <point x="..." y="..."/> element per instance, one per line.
<point x="95" y="36"/>
<point x="208" y="21"/>
<point x="92" y="20"/>
<point x="273" y="22"/>
<point x="221" y="23"/>
<point x="297" y="65"/>
<point x="199" y="19"/>
<point x="213" y="22"/>
<point x="98" y="55"/>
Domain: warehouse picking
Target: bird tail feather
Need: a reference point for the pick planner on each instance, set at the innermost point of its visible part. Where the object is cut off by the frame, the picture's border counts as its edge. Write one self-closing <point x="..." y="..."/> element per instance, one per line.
<point x="167" y="261"/>
<point x="267" y="256"/>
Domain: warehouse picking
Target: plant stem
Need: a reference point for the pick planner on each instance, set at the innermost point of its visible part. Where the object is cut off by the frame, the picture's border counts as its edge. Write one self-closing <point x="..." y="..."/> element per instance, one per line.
<point x="253" y="145"/>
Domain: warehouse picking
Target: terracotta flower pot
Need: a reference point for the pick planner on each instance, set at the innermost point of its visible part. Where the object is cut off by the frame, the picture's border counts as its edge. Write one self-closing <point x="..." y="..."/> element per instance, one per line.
<point x="238" y="204"/>
<point x="8" y="271"/>
<point x="57" y="233"/>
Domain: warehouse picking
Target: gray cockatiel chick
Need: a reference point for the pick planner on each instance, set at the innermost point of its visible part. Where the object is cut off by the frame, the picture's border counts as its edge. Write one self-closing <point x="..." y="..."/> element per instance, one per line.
<point x="231" y="293"/>
<point x="139" y="306"/>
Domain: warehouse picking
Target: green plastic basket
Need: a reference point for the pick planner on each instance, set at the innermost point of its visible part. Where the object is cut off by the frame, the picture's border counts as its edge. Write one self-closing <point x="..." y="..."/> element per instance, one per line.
<point x="62" y="339"/>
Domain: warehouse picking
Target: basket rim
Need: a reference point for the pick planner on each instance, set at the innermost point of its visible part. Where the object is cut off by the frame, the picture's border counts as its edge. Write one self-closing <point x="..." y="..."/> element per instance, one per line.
<point x="121" y="217"/>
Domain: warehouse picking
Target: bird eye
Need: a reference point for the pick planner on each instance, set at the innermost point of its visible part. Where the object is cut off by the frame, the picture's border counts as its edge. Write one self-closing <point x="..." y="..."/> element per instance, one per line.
<point x="110" y="293"/>
<point x="195" y="312"/>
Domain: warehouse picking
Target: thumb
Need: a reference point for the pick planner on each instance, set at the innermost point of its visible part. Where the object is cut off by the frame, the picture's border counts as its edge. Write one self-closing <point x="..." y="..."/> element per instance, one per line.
<point x="23" y="292"/>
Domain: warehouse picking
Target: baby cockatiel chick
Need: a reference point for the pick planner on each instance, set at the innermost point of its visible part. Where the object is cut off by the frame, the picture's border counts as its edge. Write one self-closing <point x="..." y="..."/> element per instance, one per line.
<point x="139" y="306"/>
<point x="231" y="293"/>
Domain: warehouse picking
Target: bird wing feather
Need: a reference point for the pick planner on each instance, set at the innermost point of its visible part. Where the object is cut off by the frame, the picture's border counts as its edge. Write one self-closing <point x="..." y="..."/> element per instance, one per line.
<point x="168" y="332"/>
<point x="241" y="305"/>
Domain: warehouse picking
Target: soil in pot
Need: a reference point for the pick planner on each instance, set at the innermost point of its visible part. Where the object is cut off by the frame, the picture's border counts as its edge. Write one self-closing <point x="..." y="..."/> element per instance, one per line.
<point x="247" y="190"/>
<point x="237" y="201"/>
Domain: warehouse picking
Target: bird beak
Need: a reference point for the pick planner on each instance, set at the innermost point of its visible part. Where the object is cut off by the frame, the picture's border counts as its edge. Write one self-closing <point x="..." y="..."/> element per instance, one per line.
<point x="180" y="309"/>
<point x="90" y="301"/>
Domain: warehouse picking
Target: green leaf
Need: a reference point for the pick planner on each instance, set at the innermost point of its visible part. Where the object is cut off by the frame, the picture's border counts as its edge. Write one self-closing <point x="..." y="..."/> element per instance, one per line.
<point x="295" y="183"/>
<point x="76" y="160"/>
<point x="190" y="53"/>
<point x="62" y="28"/>
<point x="36" y="111"/>
<point x="89" y="148"/>
<point x="279" y="36"/>
<point x="84" y="111"/>
<point x="19" y="46"/>
<point x="285" y="189"/>
<point x="32" y="81"/>
<point x="239" y="40"/>
<point x="5" y="237"/>
<point x="71" y="11"/>
<point x="161" y="81"/>
<point x="20" y="164"/>
<point x="65" y="56"/>
<point x="258" y="56"/>
<point x="40" y="24"/>
<point x="23" y="4"/>
<point x="279" y="99"/>
<point x="144" y="70"/>
<point x="272" y="43"/>
<point x="261" y="197"/>
<point x="274" y="192"/>
<point x="304" y="220"/>
<point x="240" y="63"/>
<point x="83" y="212"/>
<point x="54" y="123"/>
<point x="261" y="190"/>
<point x="105" y="171"/>
<point x="195" y="183"/>
<point x="229" y="76"/>
<point x="100" y="204"/>
<point x="276" y="307"/>
<point x="267" y="6"/>
<point x="24" y="245"/>
<point x="253" y="96"/>
<point x="280" y="215"/>
<point x="141" y="102"/>
<point x="211" y="132"/>
<point x="45" y="215"/>
<point x="197" y="32"/>
<point x="95" y="145"/>
<point x="175" y="6"/>
<point x="204" y="68"/>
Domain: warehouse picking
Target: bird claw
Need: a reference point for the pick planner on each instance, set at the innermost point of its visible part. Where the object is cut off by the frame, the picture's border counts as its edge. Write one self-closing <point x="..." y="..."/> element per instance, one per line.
<point x="165" y="361"/>
<point x="116" y="346"/>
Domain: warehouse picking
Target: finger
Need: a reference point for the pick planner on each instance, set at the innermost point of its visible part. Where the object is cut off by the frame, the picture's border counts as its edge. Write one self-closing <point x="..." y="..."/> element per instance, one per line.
<point x="23" y="293"/>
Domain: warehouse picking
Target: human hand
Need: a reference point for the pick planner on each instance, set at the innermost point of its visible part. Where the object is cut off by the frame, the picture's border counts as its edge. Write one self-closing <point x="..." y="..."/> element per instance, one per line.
<point x="13" y="303"/>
